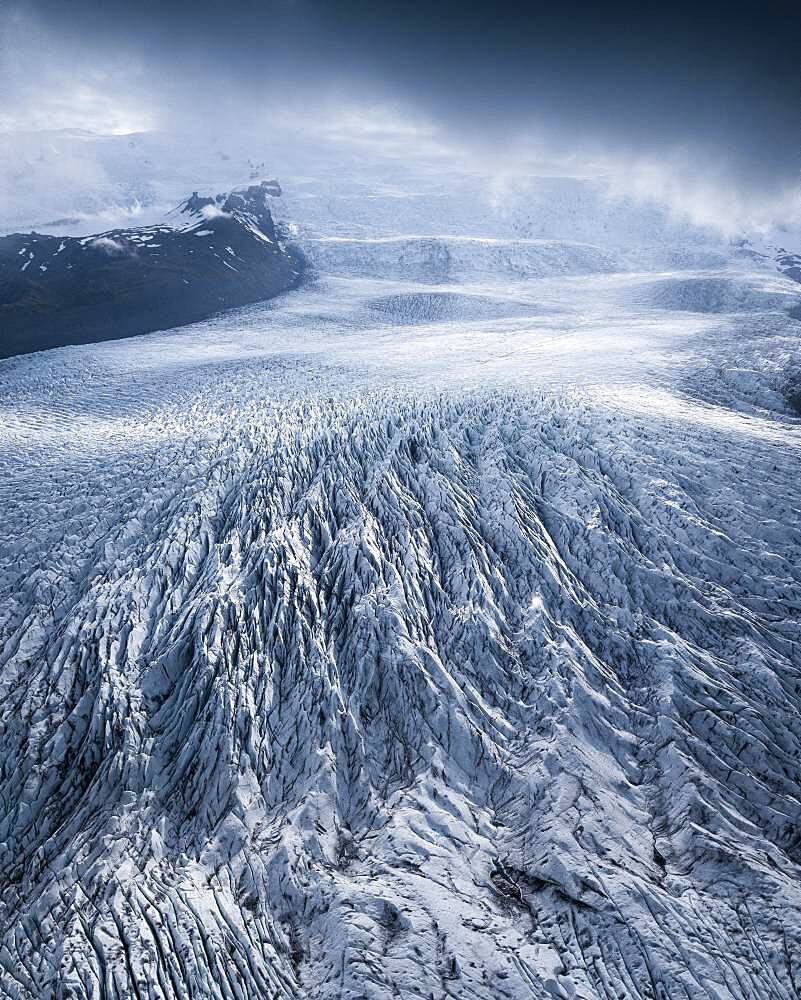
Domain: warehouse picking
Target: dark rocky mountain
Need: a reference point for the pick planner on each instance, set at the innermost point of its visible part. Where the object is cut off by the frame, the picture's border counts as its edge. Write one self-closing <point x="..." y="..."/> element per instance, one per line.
<point x="215" y="254"/>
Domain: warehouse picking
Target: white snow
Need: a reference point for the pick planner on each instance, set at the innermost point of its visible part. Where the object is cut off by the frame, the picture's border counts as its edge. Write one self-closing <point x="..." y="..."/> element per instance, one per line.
<point x="430" y="631"/>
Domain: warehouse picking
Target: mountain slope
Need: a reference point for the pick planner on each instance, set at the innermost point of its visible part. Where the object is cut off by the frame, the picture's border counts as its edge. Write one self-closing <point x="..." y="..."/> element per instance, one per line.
<point x="66" y="290"/>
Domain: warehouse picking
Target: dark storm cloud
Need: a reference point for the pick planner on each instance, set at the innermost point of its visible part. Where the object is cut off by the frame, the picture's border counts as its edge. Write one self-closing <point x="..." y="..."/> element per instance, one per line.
<point x="720" y="81"/>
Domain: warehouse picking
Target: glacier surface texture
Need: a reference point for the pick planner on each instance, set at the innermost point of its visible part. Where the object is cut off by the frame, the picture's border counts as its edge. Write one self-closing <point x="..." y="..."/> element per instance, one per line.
<point x="431" y="631"/>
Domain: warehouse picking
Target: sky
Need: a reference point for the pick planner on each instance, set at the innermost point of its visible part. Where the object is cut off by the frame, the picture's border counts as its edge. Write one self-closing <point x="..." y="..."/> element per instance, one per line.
<point x="707" y="93"/>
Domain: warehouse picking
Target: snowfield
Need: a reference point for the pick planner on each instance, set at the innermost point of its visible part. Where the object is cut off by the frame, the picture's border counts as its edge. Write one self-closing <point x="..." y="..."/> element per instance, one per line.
<point x="431" y="631"/>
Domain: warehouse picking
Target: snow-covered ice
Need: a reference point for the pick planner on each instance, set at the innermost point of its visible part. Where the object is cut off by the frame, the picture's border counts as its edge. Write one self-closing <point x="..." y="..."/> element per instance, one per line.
<point x="433" y="630"/>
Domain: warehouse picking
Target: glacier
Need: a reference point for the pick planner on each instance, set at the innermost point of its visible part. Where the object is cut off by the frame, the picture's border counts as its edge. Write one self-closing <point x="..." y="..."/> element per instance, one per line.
<point x="433" y="630"/>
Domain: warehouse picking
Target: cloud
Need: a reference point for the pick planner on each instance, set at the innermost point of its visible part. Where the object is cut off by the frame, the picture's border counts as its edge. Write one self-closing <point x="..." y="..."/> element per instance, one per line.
<point x="111" y="247"/>
<point x="704" y="196"/>
<point x="692" y="104"/>
<point x="49" y="82"/>
<point x="209" y="212"/>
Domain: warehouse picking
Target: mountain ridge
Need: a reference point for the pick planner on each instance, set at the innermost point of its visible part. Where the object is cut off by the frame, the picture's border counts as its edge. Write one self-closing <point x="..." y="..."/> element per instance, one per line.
<point x="215" y="254"/>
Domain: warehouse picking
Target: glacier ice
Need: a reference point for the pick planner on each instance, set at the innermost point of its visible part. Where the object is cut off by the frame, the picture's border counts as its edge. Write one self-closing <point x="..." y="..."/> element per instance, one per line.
<point x="432" y="631"/>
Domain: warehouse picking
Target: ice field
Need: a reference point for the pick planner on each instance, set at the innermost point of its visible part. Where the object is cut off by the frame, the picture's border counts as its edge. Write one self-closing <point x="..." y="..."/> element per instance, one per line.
<point x="431" y="631"/>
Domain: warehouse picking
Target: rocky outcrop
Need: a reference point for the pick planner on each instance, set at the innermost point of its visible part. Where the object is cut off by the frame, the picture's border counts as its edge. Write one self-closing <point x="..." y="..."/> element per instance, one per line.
<point x="217" y="253"/>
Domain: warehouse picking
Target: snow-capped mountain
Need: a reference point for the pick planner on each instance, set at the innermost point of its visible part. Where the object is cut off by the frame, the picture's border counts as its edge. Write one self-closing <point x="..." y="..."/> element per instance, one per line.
<point x="213" y="254"/>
